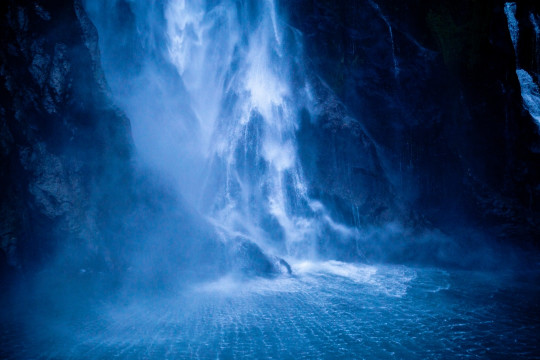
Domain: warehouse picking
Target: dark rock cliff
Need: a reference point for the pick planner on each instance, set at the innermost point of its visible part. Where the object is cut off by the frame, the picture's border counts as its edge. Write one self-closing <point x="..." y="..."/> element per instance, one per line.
<point x="64" y="148"/>
<point x="434" y="86"/>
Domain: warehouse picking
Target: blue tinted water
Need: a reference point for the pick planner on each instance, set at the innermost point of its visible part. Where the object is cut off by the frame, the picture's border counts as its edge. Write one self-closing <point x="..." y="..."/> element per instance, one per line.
<point x="326" y="310"/>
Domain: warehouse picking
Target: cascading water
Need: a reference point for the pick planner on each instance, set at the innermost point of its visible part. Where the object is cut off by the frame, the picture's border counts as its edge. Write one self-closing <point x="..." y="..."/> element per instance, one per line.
<point x="530" y="91"/>
<point x="244" y="73"/>
<point x="513" y="26"/>
<point x="535" y="21"/>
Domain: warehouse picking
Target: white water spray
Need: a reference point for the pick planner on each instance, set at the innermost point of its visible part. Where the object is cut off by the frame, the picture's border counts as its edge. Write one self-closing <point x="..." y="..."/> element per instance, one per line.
<point x="513" y="25"/>
<point x="530" y="92"/>
<point x="238" y="63"/>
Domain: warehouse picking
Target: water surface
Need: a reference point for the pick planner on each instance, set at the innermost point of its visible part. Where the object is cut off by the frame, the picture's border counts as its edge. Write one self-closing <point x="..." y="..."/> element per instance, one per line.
<point x="326" y="310"/>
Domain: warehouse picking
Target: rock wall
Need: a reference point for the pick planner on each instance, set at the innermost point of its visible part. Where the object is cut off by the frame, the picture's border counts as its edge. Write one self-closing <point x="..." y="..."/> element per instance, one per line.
<point x="433" y="85"/>
<point x="64" y="146"/>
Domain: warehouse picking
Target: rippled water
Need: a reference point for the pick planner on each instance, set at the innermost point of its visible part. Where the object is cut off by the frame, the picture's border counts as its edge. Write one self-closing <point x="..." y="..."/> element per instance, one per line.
<point x="326" y="310"/>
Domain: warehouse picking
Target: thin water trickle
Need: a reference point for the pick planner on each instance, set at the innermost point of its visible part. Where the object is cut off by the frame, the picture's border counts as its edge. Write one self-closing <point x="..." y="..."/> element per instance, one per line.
<point x="391" y="33"/>
<point x="513" y="26"/>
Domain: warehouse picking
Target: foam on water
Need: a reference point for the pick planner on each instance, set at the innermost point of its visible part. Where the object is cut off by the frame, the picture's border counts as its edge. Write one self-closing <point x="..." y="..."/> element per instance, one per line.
<point x="233" y="286"/>
<point x="353" y="272"/>
<point x="310" y="276"/>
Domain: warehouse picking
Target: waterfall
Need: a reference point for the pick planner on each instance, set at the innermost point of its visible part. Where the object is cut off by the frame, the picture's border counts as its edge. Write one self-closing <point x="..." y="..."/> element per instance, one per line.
<point x="215" y="100"/>
<point x="535" y="20"/>
<point x="513" y="26"/>
<point x="244" y="72"/>
<point x="530" y="92"/>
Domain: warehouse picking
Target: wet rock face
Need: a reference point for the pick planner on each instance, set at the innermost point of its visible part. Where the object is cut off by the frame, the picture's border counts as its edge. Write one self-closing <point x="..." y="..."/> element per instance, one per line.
<point x="342" y="163"/>
<point x="60" y="137"/>
<point x="433" y="86"/>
